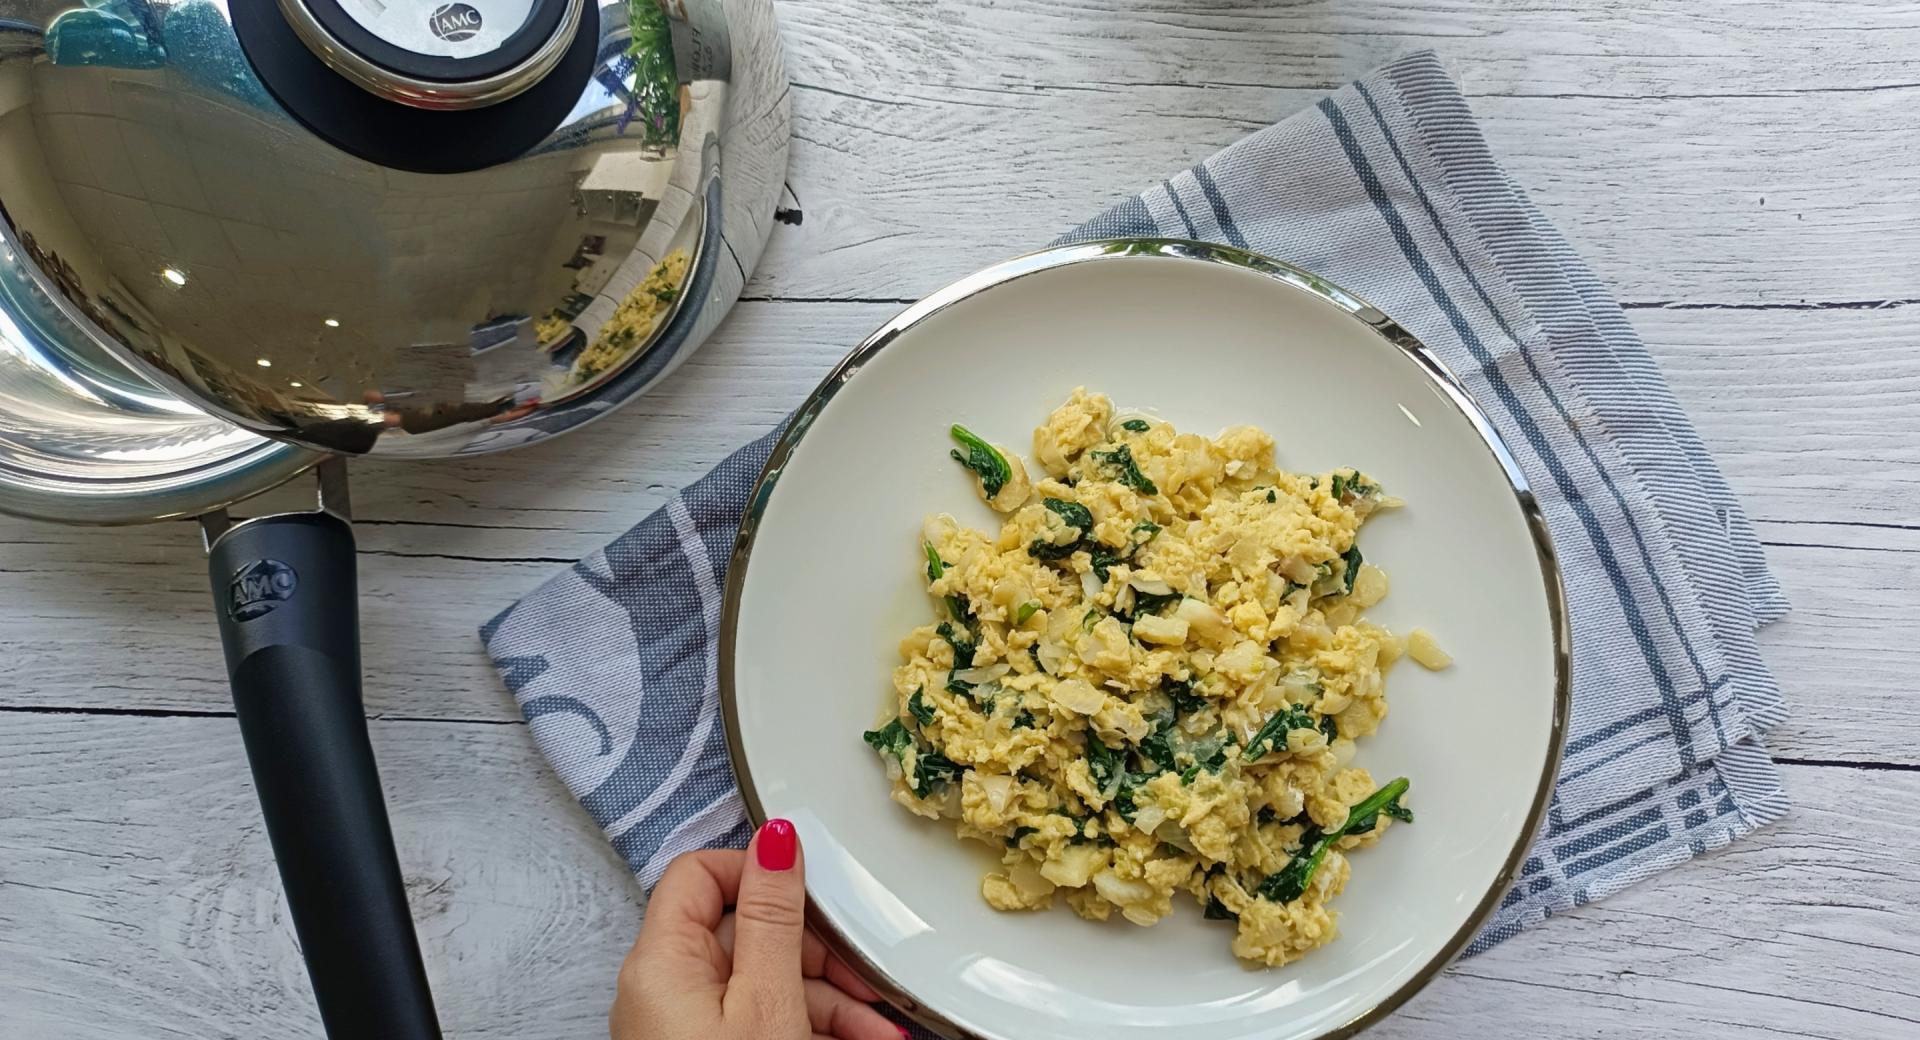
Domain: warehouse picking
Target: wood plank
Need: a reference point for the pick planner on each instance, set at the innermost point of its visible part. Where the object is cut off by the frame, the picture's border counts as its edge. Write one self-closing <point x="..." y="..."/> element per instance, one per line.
<point x="1654" y="48"/>
<point x="1801" y="930"/>
<point x="1674" y="142"/>
<point x="110" y="631"/>
<point x="450" y="543"/>
<point x="139" y="899"/>
<point x="138" y="896"/>
<point x="1814" y="415"/>
<point x="123" y="620"/>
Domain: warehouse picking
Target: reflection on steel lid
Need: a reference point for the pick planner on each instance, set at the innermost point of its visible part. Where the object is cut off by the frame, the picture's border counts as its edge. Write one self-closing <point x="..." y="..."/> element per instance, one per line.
<point x="192" y="218"/>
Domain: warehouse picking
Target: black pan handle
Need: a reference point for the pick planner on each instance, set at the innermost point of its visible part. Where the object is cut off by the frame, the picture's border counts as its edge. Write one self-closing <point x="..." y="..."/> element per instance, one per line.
<point x="285" y="590"/>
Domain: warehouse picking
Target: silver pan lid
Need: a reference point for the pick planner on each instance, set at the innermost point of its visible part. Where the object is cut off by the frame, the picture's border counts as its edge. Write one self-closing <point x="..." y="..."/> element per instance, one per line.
<point x="285" y="230"/>
<point x="83" y="439"/>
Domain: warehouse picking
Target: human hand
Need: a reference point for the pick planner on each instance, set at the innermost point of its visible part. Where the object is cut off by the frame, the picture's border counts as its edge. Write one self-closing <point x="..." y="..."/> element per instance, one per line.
<point x="702" y="971"/>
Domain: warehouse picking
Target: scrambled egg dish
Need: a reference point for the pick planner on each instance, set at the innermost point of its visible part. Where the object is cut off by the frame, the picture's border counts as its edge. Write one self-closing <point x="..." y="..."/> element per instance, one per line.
<point x="1151" y="678"/>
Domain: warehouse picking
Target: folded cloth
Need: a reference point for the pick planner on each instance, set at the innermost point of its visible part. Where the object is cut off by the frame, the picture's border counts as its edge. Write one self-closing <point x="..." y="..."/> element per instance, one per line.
<point x="1388" y="189"/>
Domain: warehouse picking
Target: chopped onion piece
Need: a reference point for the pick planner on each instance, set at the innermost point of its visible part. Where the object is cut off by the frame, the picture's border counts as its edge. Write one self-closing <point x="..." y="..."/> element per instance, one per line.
<point x="997" y="787"/>
<point x="1078" y="695"/>
<point x="1149" y="818"/>
<point x="1166" y="631"/>
<point x="983" y="674"/>
<point x="1121" y="891"/>
<point x="1203" y="619"/>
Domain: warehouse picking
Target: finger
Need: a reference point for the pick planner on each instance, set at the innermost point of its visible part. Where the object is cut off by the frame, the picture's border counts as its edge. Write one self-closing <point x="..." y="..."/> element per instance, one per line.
<point x="852" y="985"/>
<point x="769" y="919"/>
<point x="816" y="962"/>
<point x="844" y="1018"/>
<point x="676" y="933"/>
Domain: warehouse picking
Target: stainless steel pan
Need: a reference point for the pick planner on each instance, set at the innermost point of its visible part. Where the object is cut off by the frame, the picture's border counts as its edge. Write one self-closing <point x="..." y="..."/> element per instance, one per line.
<point x="249" y="239"/>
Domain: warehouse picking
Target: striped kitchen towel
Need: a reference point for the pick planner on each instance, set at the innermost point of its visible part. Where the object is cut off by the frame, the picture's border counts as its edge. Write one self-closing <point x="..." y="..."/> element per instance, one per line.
<point x="1388" y="189"/>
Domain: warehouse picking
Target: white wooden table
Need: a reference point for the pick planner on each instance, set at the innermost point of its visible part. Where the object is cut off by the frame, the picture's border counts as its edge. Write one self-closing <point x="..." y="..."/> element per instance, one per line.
<point x="1747" y="176"/>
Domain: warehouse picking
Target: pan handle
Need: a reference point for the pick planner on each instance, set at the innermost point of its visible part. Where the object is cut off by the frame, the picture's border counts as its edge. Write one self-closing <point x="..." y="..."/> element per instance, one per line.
<point x="285" y="589"/>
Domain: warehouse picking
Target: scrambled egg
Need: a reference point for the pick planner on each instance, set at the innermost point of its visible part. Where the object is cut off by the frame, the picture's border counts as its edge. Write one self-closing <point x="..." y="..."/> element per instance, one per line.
<point x="1150" y="680"/>
<point x="634" y="320"/>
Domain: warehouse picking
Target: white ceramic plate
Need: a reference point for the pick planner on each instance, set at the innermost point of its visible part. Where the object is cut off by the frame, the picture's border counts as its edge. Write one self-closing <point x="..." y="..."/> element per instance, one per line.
<point x="826" y="580"/>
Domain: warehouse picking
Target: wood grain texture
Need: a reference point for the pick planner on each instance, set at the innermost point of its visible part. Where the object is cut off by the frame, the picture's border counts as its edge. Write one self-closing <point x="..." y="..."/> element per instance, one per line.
<point x="1816" y="416"/>
<point x="156" y="914"/>
<point x="138" y="895"/>
<point x="1724" y="153"/>
<point x="1740" y="173"/>
<point x="1799" y="931"/>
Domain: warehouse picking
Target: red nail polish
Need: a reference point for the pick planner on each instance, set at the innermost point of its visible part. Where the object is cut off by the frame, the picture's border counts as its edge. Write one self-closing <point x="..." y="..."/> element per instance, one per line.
<point x="903" y="1032"/>
<point x="777" y="846"/>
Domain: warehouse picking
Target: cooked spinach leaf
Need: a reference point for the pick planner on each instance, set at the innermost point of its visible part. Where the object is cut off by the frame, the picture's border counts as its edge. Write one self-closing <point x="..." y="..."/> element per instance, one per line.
<point x="983" y="459"/>
<point x="1126" y="471"/>
<point x="963" y="645"/>
<point x="1157" y="747"/>
<point x="917" y="706"/>
<point x="1274" y="731"/>
<point x="1104" y="764"/>
<point x="1027" y="610"/>
<point x="890" y="739"/>
<point x="1351" y="485"/>
<point x="1136" y="425"/>
<point x="1073" y="515"/>
<point x="1217" y="911"/>
<point x="1180" y="691"/>
<point x="932" y="770"/>
<point x="935" y="565"/>
<point x="1352" y="556"/>
<point x="1291" y="881"/>
<point x="1152" y="602"/>
<point x="1102" y="559"/>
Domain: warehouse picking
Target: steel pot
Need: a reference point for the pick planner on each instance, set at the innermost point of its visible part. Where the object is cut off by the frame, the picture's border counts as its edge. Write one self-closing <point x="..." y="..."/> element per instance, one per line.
<point x="243" y="239"/>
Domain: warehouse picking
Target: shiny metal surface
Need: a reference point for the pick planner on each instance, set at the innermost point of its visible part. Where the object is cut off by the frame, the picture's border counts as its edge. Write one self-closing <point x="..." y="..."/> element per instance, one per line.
<point x="430" y="93"/>
<point x="176" y="218"/>
<point x="83" y="439"/>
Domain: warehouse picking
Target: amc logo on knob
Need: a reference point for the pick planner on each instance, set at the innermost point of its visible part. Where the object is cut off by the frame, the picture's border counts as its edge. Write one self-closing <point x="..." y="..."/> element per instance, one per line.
<point x="454" y="22"/>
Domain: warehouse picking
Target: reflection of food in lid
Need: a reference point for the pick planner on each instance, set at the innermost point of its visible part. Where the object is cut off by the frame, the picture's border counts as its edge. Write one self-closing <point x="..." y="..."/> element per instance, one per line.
<point x="550" y="328"/>
<point x="634" y="320"/>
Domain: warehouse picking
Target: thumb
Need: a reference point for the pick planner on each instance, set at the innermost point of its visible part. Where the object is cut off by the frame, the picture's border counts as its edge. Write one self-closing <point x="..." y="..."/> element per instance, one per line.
<point x="769" y="920"/>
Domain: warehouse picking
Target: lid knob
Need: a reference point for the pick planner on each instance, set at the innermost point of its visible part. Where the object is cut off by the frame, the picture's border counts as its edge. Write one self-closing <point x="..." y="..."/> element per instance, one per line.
<point x="434" y="86"/>
<point x="437" y="54"/>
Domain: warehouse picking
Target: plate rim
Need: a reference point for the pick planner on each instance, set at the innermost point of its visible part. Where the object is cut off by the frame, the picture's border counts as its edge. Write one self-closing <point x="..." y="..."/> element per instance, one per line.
<point x="1114" y="249"/>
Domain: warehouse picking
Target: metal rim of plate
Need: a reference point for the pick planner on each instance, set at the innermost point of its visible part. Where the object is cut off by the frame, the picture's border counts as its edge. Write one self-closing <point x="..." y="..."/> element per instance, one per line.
<point x="1205" y="252"/>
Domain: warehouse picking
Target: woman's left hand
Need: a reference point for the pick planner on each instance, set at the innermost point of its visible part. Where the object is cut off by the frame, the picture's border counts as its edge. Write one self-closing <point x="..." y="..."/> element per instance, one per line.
<point x="724" y="954"/>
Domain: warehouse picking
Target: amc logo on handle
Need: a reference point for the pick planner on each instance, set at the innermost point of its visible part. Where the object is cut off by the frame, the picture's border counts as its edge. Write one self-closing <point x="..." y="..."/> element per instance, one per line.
<point x="259" y="587"/>
<point x="454" y="22"/>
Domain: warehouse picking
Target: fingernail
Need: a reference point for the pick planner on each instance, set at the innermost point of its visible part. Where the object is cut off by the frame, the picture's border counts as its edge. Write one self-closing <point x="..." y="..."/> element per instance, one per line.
<point x="777" y="845"/>
<point x="903" y="1032"/>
